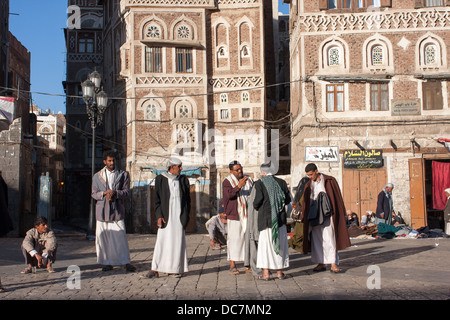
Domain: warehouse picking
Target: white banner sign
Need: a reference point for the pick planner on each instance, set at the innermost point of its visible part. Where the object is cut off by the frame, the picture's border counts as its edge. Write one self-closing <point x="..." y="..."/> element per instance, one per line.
<point x="327" y="154"/>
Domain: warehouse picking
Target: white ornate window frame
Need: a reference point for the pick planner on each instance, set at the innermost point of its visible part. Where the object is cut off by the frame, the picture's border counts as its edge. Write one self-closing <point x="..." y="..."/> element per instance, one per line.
<point x="441" y="53"/>
<point x="387" y="64"/>
<point x="325" y="46"/>
<point x="151" y="100"/>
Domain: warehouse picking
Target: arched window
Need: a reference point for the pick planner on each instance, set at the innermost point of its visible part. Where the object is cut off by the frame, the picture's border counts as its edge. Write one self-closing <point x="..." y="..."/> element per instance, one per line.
<point x="334" y="56"/>
<point x="430" y="52"/>
<point x="183" y="110"/>
<point x="377" y="55"/>
<point x="245" y="96"/>
<point x="152" y="112"/>
<point x="223" y="98"/>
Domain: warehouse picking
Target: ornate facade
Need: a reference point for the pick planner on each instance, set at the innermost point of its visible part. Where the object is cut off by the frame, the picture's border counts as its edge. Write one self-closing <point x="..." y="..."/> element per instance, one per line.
<point x="189" y="80"/>
<point x="372" y="78"/>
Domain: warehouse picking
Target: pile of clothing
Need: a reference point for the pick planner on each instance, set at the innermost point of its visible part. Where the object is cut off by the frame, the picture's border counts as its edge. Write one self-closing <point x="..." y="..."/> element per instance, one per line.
<point x="386" y="231"/>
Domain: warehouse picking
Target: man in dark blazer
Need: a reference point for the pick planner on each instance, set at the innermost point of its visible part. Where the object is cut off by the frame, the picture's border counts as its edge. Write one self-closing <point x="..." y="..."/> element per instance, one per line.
<point x="172" y="207"/>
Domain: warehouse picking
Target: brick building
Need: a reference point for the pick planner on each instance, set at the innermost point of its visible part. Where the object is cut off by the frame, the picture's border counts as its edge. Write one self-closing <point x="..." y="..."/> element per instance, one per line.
<point x="4" y="39"/>
<point x="83" y="37"/>
<point x="370" y="99"/>
<point x="190" y="80"/>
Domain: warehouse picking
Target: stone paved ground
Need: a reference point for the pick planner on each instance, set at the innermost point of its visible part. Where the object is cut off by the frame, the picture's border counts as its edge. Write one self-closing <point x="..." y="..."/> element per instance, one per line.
<point x="409" y="269"/>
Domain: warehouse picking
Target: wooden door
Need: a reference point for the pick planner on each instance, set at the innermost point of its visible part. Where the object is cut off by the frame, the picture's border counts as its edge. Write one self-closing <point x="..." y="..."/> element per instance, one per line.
<point x="417" y="192"/>
<point x="360" y="189"/>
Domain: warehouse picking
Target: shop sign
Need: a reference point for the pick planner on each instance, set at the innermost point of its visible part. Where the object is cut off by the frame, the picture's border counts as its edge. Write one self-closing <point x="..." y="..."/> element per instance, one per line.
<point x="324" y="154"/>
<point x="405" y="107"/>
<point x="363" y="159"/>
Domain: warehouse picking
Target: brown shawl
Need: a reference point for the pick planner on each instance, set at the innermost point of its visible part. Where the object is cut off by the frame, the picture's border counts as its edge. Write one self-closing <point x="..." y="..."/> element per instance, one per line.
<point x="337" y="202"/>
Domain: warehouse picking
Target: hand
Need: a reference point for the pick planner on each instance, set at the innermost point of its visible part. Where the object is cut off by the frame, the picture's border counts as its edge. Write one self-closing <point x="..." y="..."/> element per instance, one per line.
<point x="39" y="260"/>
<point x="160" y="222"/>
<point x="242" y="182"/>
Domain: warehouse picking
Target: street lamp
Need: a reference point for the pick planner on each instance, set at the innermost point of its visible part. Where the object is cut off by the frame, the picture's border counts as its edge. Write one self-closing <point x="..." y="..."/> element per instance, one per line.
<point x="96" y="103"/>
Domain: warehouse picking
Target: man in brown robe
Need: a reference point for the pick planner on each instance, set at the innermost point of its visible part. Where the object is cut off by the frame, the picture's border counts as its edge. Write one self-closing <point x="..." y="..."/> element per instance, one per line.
<point x="323" y="241"/>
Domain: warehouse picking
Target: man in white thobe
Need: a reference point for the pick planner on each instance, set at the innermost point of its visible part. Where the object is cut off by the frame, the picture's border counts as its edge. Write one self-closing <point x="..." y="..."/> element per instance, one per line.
<point x="110" y="187"/>
<point x="272" y="196"/>
<point x="172" y="208"/>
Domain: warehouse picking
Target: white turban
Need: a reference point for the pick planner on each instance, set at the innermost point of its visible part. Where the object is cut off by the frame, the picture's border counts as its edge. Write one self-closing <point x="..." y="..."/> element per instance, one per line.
<point x="174" y="162"/>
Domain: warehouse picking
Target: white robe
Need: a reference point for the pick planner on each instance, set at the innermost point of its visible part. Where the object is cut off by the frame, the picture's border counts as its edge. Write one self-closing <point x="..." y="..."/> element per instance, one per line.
<point x="266" y="257"/>
<point x="111" y="243"/>
<point x="235" y="241"/>
<point x="323" y="241"/>
<point x="170" y="254"/>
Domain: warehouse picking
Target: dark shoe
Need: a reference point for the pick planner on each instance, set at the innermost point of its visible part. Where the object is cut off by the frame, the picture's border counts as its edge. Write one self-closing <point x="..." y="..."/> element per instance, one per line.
<point x="321" y="269"/>
<point x="130" y="268"/>
<point x="107" y="268"/>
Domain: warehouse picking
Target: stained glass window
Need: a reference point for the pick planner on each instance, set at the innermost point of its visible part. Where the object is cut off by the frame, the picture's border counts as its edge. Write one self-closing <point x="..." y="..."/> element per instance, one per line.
<point x="430" y="54"/>
<point x="333" y="56"/>
<point x="377" y="55"/>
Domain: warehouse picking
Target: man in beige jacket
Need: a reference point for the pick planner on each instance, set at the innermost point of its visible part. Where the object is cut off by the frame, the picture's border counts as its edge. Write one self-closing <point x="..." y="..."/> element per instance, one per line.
<point x="39" y="246"/>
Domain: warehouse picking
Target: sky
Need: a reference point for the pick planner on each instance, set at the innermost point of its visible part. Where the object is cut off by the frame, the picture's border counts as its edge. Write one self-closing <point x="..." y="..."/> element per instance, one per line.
<point x="38" y="25"/>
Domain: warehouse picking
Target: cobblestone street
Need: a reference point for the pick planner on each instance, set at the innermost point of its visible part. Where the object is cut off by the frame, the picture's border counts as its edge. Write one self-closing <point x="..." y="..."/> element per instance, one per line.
<point x="409" y="269"/>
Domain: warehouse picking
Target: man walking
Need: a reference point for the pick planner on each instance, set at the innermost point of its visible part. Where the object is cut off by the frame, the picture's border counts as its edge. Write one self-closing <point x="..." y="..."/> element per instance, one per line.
<point x="236" y="190"/>
<point x="324" y="240"/>
<point x="110" y="188"/>
<point x="172" y="208"/>
<point x="271" y="197"/>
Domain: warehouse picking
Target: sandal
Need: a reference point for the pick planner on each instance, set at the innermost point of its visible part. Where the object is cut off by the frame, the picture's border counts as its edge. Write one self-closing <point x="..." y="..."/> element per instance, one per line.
<point x="234" y="271"/>
<point x="50" y="269"/>
<point x="27" y="270"/>
<point x="152" y="274"/>
<point x="336" y="270"/>
<point x="175" y="275"/>
<point x="281" y="276"/>
<point x="263" y="278"/>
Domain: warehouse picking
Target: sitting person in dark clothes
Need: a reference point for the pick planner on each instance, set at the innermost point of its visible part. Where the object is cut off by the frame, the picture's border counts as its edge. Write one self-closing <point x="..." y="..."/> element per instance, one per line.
<point x="39" y="247"/>
<point x="352" y="219"/>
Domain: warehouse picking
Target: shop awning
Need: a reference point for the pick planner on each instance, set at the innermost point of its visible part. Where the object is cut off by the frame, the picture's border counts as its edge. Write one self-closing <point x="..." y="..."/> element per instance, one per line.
<point x="187" y="170"/>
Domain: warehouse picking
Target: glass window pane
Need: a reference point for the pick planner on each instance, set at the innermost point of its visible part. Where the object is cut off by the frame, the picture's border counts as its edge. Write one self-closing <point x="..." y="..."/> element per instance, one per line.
<point x="340" y="101"/>
<point x="330" y="101"/>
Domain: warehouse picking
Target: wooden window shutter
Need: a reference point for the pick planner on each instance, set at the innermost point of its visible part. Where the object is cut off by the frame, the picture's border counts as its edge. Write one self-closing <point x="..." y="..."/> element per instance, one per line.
<point x="323" y="4"/>
<point x="386" y="3"/>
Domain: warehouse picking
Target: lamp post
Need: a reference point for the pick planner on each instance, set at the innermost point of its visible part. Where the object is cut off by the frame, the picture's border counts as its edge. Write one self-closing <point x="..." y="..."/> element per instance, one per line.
<point x="96" y="102"/>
